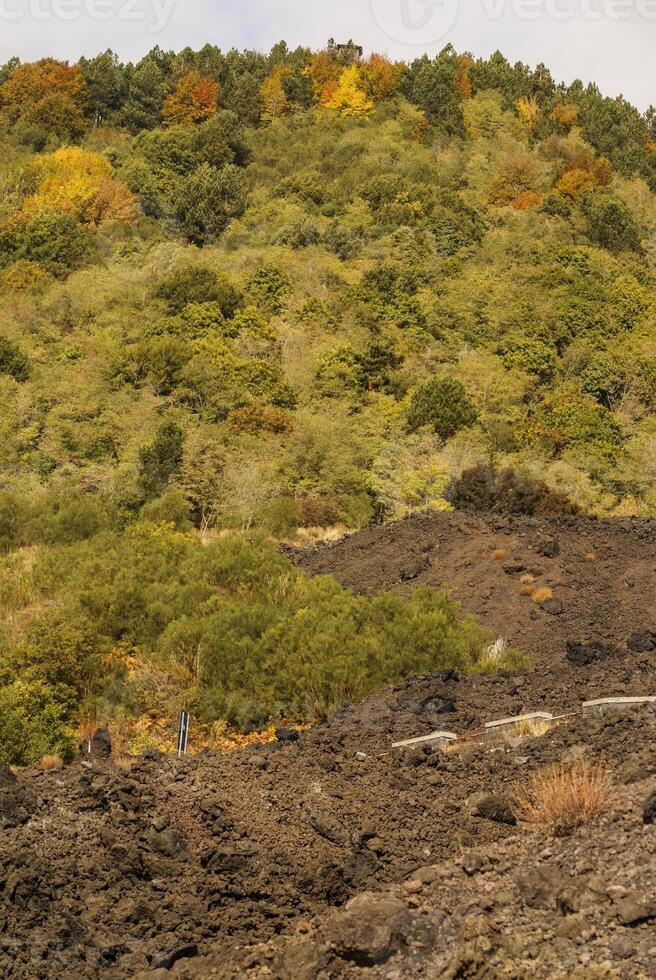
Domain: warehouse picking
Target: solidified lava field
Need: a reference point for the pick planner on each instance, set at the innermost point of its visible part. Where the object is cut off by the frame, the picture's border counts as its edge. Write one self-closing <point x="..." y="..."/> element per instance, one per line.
<point x="333" y="855"/>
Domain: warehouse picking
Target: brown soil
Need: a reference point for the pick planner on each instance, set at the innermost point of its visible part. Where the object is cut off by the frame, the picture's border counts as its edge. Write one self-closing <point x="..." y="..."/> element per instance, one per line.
<point x="301" y="860"/>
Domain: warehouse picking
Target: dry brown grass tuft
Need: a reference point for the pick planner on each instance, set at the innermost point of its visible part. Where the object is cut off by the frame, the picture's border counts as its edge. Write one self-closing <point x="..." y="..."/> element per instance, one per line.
<point x="591" y="556"/>
<point x="532" y="728"/>
<point x="51" y="763"/>
<point x="541" y="595"/>
<point x="528" y="590"/>
<point x="565" y="797"/>
<point x="499" y="554"/>
<point x="527" y="579"/>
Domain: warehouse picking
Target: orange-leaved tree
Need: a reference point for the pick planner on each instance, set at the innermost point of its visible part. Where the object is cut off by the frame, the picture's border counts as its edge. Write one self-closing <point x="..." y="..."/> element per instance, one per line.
<point x="349" y="98"/>
<point x="47" y="95"/>
<point x="29" y="84"/>
<point x="194" y="100"/>
<point x="463" y="83"/>
<point x="380" y="76"/>
<point x="516" y="184"/>
<point x="324" y="72"/>
<point x="566" y="115"/>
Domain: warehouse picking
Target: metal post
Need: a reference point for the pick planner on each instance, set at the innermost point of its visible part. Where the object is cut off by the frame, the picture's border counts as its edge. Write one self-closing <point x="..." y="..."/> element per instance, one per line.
<point x="183" y="734"/>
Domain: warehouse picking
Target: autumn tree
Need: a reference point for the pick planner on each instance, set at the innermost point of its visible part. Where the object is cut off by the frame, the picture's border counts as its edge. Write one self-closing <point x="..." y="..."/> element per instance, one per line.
<point x="45" y="99"/>
<point x="274" y="98"/>
<point x="80" y="183"/>
<point x="516" y="184"/>
<point x="463" y="83"/>
<point x="582" y="173"/>
<point x="565" y="115"/>
<point x="28" y="84"/>
<point x="380" y="77"/>
<point x="349" y="99"/>
<point x="324" y="72"/>
<point x="194" y="100"/>
<point x="528" y="110"/>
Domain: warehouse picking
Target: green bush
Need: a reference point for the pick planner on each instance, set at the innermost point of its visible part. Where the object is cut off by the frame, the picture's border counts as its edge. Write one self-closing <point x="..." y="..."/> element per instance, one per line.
<point x="267" y="289"/>
<point x="13" y="361"/>
<point x="300" y="234"/>
<point x="196" y="284"/>
<point x="31" y="726"/>
<point x="56" y="241"/>
<point x="161" y="459"/>
<point x="442" y="404"/>
<point x="241" y="633"/>
<point x="339" y="372"/>
<point x="528" y="353"/>
<point x="13" y="514"/>
<point x="579" y="422"/>
<point x="207" y="201"/>
<point x="610" y="223"/>
<point x="603" y="378"/>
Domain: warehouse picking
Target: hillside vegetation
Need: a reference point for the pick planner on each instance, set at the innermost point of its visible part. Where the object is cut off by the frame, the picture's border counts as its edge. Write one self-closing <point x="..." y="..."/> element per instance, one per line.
<point x="263" y="293"/>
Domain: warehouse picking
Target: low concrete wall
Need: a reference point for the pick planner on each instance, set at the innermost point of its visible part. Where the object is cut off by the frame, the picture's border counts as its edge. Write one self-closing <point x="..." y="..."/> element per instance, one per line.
<point x="536" y="718"/>
<point x="436" y="739"/>
<point x="605" y="706"/>
<point x="502" y="727"/>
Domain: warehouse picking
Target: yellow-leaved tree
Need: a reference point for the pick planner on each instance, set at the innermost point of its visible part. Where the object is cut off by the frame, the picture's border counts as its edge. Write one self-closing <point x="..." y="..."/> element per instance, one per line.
<point x="80" y="183"/>
<point x="528" y="110"/>
<point x="194" y="100"/>
<point x="274" y="98"/>
<point x="349" y="98"/>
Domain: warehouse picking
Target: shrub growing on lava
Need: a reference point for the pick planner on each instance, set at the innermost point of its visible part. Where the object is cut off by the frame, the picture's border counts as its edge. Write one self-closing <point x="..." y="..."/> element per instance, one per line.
<point x="483" y="489"/>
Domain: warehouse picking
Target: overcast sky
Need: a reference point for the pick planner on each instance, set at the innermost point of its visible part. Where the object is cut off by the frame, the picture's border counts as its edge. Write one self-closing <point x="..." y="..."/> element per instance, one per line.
<point x="608" y="41"/>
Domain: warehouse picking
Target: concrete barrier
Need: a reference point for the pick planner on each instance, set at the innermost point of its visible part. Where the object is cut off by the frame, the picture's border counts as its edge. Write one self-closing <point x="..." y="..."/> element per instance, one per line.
<point x="604" y="706"/>
<point x="436" y="739"/>
<point x="537" y="718"/>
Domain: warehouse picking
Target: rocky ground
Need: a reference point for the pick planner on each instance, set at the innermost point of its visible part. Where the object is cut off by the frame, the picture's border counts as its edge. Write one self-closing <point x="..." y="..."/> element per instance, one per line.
<point x="332" y="855"/>
<point x="602" y="574"/>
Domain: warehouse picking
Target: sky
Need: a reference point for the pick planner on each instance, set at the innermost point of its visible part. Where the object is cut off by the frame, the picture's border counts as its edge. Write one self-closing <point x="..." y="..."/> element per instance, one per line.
<point x="610" y="42"/>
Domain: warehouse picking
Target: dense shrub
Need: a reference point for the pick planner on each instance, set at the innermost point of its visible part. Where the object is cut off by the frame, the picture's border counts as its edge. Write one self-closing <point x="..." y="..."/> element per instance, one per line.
<point x="610" y="223"/>
<point x="208" y="200"/>
<point x="483" y="489"/>
<point x="196" y="284"/>
<point x="267" y="288"/>
<point x="241" y="633"/>
<point x="444" y="405"/>
<point x="160" y="460"/>
<point x="55" y="241"/>
<point x="13" y="514"/>
<point x="13" y="361"/>
<point x="339" y="372"/>
<point x="31" y="726"/>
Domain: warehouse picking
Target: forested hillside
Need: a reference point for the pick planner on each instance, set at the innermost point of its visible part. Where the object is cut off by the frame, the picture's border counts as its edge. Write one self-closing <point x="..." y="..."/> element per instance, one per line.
<point x="264" y="293"/>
